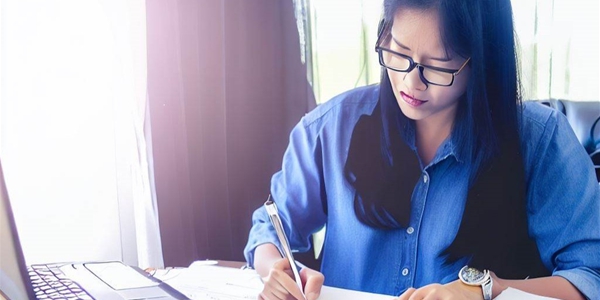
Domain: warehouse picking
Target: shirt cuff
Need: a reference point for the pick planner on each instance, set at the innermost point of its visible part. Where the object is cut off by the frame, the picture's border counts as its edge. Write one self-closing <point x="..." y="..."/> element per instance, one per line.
<point x="261" y="233"/>
<point x="586" y="280"/>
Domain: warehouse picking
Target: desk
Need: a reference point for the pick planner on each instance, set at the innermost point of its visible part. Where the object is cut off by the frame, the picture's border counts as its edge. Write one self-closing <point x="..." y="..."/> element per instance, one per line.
<point x="231" y="264"/>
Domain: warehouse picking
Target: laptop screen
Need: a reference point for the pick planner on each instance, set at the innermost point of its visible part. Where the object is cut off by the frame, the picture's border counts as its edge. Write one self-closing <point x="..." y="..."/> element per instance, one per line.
<point x="14" y="280"/>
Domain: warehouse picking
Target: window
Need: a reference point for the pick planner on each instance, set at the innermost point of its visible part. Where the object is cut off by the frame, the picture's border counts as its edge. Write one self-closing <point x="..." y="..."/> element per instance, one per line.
<point x="558" y="41"/>
<point x="73" y="82"/>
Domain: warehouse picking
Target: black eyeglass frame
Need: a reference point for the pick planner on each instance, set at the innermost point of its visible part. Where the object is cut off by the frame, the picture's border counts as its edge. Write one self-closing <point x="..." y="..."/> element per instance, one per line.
<point x="413" y="64"/>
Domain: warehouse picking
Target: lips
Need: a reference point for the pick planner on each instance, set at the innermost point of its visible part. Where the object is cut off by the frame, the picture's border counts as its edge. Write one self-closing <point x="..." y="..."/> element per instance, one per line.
<point x="411" y="100"/>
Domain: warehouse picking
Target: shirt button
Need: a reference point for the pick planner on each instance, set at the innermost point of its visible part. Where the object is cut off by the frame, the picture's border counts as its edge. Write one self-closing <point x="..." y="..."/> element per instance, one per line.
<point x="425" y="178"/>
<point x="404" y="271"/>
<point x="410" y="230"/>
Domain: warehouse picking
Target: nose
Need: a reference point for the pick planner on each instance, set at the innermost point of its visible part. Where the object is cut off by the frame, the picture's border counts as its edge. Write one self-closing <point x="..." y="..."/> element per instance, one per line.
<point x="413" y="80"/>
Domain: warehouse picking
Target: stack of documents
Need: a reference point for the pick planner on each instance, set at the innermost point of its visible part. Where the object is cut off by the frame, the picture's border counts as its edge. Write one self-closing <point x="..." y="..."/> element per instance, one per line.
<point x="206" y="280"/>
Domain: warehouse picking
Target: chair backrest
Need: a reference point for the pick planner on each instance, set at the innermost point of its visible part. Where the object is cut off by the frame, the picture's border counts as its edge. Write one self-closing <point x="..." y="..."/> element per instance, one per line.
<point x="584" y="117"/>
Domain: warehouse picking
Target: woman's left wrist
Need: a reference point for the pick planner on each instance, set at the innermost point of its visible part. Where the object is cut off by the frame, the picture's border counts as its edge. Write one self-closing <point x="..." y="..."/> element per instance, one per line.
<point x="498" y="285"/>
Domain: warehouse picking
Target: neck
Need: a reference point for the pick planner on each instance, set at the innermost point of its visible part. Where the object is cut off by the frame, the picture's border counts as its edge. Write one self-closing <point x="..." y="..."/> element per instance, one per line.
<point x="430" y="133"/>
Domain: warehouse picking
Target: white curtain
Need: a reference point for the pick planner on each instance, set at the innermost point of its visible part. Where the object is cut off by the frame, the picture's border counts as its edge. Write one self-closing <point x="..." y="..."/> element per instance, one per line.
<point x="558" y="39"/>
<point x="73" y="121"/>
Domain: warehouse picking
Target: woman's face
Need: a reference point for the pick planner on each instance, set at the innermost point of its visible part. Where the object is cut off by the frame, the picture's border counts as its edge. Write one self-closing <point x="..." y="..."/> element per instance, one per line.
<point x="416" y="34"/>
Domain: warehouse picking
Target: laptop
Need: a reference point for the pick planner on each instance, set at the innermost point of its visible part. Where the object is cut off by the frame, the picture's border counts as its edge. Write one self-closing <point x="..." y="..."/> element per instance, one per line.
<point x="81" y="280"/>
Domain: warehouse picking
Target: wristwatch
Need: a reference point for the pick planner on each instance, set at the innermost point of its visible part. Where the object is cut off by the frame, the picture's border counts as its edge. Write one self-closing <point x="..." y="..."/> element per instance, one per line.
<point x="475" y="277"/>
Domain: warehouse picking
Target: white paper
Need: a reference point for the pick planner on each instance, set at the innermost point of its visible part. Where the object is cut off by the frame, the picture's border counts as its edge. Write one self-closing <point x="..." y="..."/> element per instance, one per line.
<point x="514" y="294"/>
<point x="201" y="281"/>
<point x="206" y="281"/>
<point x="332" y="293"/>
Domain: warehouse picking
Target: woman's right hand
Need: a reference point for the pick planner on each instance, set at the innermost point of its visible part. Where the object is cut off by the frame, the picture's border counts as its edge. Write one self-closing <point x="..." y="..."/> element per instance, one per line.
<point x="280" y="283"/>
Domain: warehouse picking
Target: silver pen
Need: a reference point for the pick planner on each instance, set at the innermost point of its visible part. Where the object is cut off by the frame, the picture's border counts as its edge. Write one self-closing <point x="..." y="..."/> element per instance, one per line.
<point x="287" y="251"/>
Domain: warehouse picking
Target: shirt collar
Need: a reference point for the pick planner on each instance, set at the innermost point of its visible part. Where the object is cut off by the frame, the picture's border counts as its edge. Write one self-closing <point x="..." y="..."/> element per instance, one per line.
<point x="448" y="148"/>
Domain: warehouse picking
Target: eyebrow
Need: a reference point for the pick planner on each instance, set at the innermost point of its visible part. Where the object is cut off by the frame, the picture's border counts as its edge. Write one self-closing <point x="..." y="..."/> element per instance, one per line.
<point x="442" y="59"/>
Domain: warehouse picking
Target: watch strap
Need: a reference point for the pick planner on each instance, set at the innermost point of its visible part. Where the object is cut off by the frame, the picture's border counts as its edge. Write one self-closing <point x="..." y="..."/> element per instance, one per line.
<point x="486" y="288"/>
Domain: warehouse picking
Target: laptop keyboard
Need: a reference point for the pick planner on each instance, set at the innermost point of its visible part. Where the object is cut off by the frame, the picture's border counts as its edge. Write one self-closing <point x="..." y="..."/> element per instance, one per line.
<point x="50" y="283"/>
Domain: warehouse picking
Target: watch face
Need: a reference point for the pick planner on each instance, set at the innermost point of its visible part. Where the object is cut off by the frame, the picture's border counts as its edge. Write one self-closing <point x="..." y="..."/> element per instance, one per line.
<point x="472" y="276"/>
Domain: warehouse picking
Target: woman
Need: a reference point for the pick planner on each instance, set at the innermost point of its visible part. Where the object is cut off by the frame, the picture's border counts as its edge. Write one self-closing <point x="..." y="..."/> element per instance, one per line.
<point x="438" y="167"/>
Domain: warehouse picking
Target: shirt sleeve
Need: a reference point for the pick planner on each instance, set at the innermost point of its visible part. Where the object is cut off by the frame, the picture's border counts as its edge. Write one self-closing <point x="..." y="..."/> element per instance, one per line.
<point x="298" y="191"/>
<point x="564" y="206"/>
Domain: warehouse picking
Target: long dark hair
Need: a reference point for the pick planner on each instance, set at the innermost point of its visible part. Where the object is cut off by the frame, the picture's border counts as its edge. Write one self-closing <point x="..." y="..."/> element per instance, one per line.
<point x="486" y="133"/>
<point x="487" y="114"/>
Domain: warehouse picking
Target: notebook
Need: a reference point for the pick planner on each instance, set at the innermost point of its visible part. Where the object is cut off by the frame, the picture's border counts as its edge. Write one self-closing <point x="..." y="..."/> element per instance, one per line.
<point x="81" y="280"/>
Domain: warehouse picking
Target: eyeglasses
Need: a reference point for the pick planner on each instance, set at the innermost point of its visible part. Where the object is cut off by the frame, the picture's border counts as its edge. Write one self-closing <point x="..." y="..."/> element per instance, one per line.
<point x="401" y="63"/>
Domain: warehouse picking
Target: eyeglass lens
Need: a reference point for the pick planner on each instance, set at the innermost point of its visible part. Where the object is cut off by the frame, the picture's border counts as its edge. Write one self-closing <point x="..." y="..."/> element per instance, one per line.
<point x="402" y="64"/>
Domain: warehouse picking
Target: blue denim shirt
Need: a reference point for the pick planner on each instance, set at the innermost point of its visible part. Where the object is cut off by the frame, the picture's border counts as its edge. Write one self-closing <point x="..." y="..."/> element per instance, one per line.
<point x="563" y="204"/>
